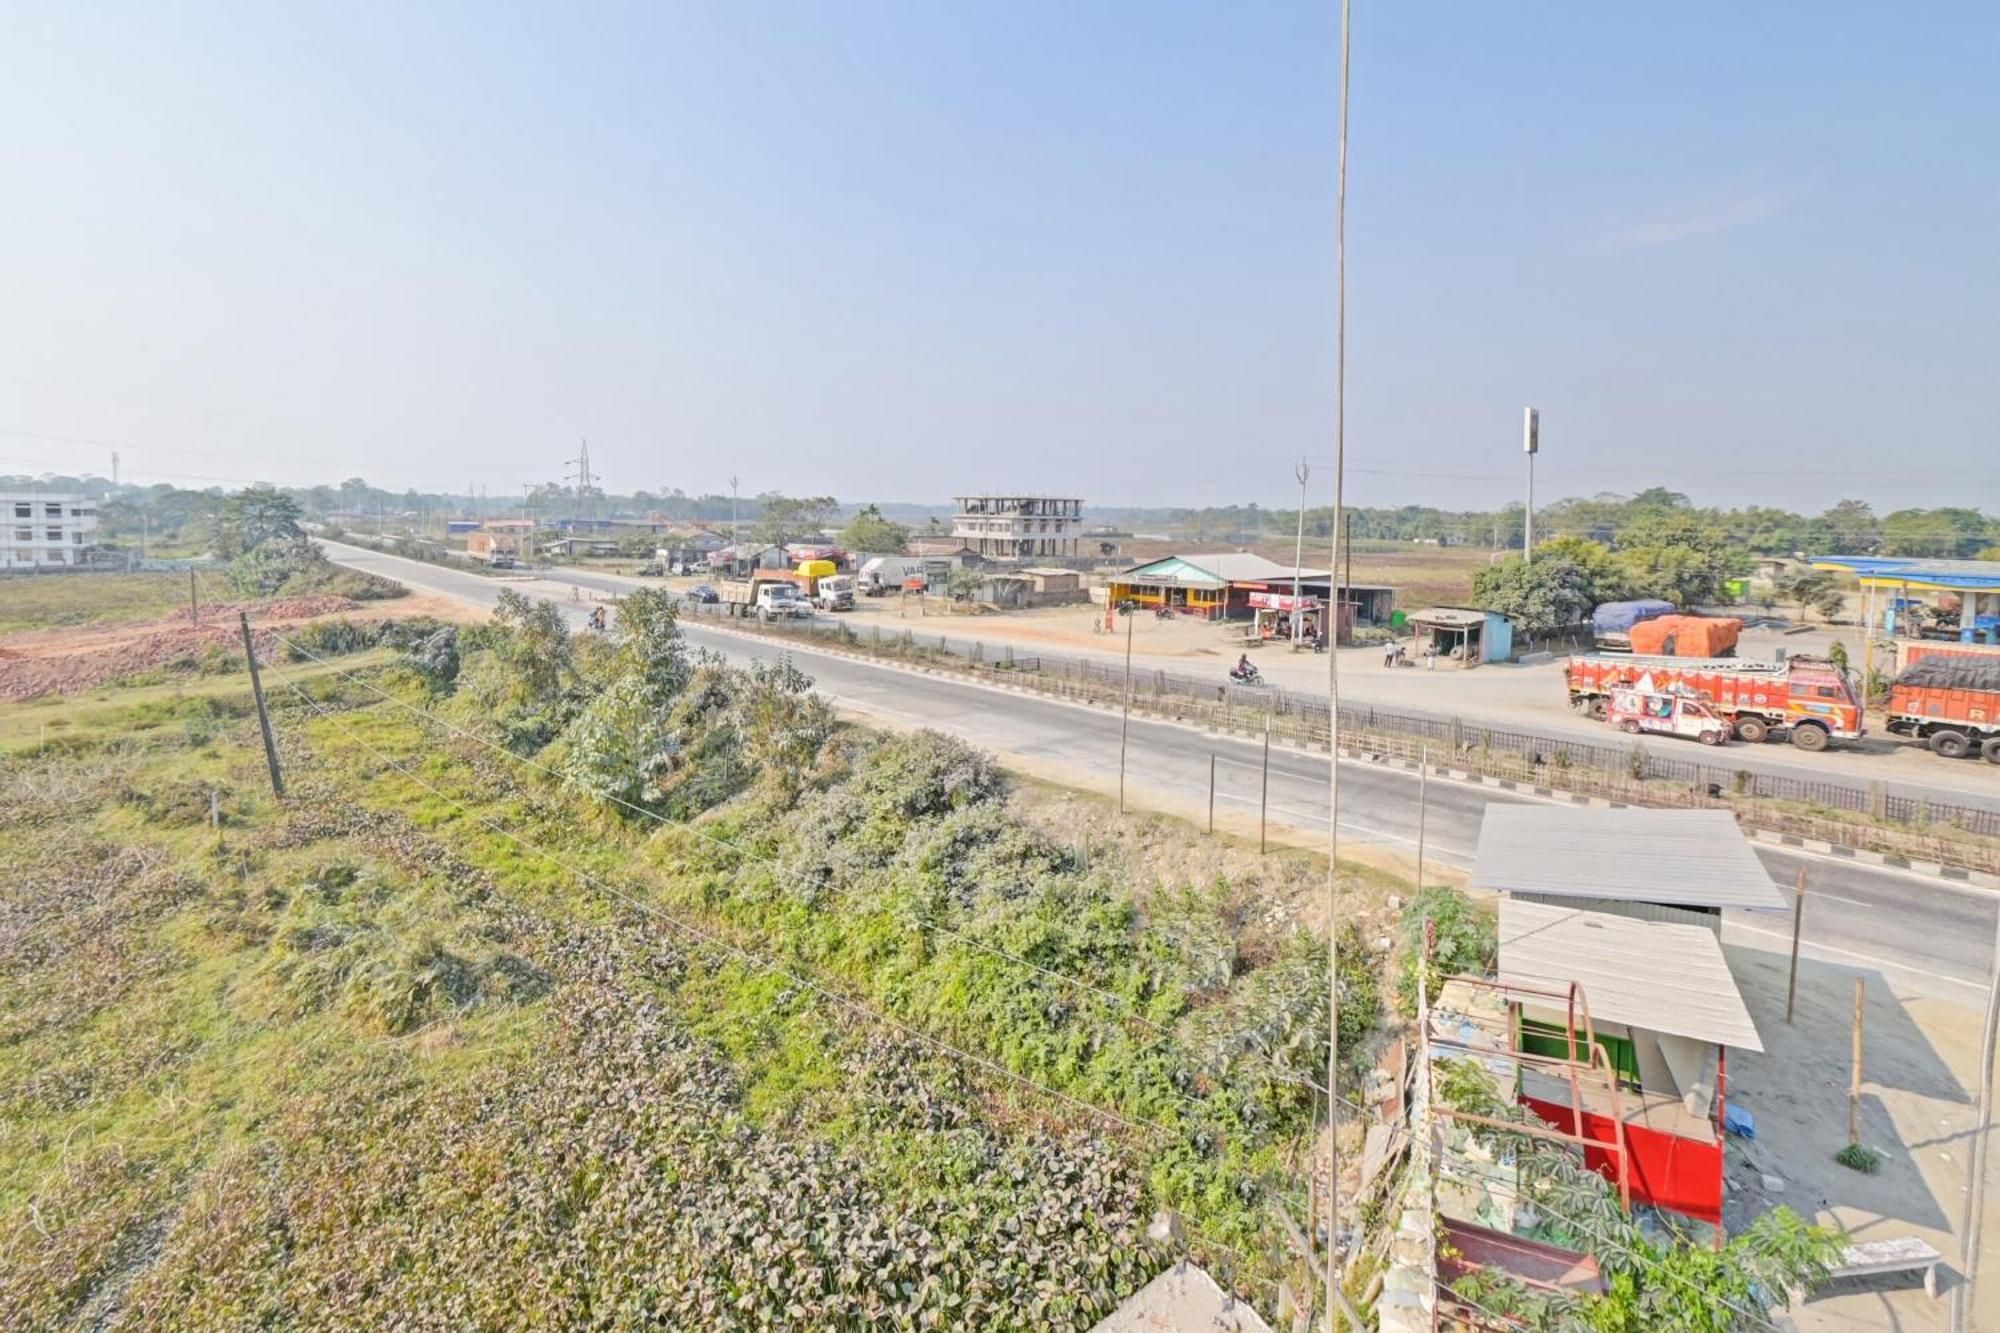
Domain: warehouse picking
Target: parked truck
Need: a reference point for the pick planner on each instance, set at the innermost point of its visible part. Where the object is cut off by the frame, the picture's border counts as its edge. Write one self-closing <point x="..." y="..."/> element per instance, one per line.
<point x="1809" y="698"/>
<point x="1951" y="702"/>
<point x="1611" y="623"/>
<point x="834" y="592"/>
<point x="766" y="593"/>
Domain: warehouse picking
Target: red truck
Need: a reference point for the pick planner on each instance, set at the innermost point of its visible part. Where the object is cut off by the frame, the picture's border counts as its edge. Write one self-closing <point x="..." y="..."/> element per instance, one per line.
<point x="1807" y="696"/>
<point x="1951" y="702"/>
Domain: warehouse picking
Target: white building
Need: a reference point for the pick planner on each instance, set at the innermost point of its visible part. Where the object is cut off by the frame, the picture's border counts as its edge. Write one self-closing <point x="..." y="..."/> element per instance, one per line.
<point x="1019" y="527"/>
<point x="46" y="531"/>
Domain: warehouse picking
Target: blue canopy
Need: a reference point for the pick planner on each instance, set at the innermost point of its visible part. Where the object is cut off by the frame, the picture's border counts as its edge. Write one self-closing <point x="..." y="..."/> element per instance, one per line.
<point x="1619" y="617"/>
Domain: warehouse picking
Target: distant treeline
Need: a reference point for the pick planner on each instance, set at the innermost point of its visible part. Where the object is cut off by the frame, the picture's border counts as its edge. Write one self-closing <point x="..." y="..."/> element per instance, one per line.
<point x="1851" y="527"/>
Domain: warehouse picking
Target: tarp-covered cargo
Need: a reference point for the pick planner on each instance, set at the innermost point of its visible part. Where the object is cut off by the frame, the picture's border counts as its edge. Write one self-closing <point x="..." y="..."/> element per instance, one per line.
<point x="1953" y="673"/>
<point x="1618" y="617"/>
<point x="1687" y="636"/>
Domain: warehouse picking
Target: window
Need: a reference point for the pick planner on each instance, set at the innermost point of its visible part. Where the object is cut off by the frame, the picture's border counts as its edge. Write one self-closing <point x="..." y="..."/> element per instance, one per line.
<point x="55" y="534"/>
<point x="76" y="539"/>
<point x="24" y="511"/>
<point x="52" y="510"/>
<point x="24" y="534"/>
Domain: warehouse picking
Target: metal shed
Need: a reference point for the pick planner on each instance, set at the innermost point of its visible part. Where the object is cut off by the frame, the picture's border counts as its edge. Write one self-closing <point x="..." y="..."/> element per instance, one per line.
<point x="1696" y="859"/>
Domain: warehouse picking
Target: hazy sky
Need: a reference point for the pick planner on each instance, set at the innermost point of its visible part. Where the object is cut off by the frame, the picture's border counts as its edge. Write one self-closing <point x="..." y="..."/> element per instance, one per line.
<point x="896" y="250"/>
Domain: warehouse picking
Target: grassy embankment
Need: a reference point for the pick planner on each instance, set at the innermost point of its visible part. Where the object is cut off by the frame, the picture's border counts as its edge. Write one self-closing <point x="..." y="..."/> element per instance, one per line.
<point x="365" y="1055"/>
<point x="72" y="600"/>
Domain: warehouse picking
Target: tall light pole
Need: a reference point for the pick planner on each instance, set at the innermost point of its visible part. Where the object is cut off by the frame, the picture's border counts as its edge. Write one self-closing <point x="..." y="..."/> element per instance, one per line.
<point x="1531" y="444"/>
<point x="1303" y="471"/>
<point x="735" y="536"/>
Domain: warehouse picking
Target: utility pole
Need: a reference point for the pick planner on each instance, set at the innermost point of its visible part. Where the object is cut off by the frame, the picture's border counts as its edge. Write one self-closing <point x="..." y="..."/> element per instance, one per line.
<point x="1335" y="1298"/>
<point x="585" y="503"/>
<point x="1798" y="921"/>
<point x="1264" y="791"/>
<point x="735" y="533"/>
<point x="1531" y="444"/>
<point x="114" y="468"/>
<point x="1423" y="805"/>
<point x="1302" y="471"/>
<point x="194" y="603"/>
<point x="263" y="714"/>
<point x="1125" y="718"/>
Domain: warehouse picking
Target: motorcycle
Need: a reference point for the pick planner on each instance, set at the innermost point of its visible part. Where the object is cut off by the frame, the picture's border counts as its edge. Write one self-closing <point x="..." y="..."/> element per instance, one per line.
<point x="1164" y="613"/>
<point x="1246" y="675"/>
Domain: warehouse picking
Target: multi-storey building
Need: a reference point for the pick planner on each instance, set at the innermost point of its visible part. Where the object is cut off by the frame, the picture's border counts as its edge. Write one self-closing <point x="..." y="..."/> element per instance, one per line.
<point x="46" y="531"/>
<point x="1019" y="527"/>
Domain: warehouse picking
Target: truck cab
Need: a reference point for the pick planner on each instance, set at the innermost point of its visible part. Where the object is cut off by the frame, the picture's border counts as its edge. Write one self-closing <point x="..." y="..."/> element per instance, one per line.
<point x="835" y="592"/>
<point x="781" y="599"/>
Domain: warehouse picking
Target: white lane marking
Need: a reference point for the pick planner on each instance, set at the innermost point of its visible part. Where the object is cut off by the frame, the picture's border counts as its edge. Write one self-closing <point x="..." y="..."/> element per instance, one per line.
<point x="1811" y="949"/>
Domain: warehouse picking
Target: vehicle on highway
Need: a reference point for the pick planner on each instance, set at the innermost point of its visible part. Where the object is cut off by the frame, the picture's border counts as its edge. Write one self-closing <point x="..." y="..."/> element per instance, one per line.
<point x="1659" y="713"/>
<point x="655" y="570"/>
<point x="1950" y="700"/>
<point x="702" y="593"/>
<point x="1245" y="672"/>
<point x="1808" y="699"/>
<point x="834" y="592"/>
<point x="782" y="600"/>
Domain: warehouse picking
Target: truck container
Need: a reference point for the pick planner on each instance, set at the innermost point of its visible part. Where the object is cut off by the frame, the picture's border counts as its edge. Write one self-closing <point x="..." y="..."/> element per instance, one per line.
<point x="1611" y="623"/>
<point x="1808" y="697"/>
<point x="1951" y="702"/>
<point x="1686" y="636"/>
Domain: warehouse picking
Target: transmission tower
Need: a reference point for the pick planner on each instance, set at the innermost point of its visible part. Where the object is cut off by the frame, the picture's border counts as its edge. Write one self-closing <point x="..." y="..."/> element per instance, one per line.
<point x="582" y="479"/>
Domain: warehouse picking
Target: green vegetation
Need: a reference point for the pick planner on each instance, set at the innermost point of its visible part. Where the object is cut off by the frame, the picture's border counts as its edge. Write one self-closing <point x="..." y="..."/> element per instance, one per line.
<point x="372" y="1053"/>
<point x="68" y="601"/>
<point x="1466" y="943"/>
<point x="1668" y="1281"/>
<point x="869" y="531"/>
<point x="1859" y="1157"/>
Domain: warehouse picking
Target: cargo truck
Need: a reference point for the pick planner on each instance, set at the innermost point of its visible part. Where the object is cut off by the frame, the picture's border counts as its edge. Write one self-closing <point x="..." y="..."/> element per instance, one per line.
<point x="766" y="593"/>
<point x="1807" y="697"/>
<point x="1950" y="702"/>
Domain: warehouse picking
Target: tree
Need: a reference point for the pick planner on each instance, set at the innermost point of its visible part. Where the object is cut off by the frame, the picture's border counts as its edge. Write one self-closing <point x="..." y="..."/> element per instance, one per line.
<point x="1945" y="532"/>
<point x="869" y="531"/>
<point x="435" y="660"/>
<point x="254" y="516"/>
<point x="1679" y="556"/>
<point x="785" y="519"/>
<point x="1606" y="575"/>
<point x="1539" y="597"/>
<point x="1851" y="528"/>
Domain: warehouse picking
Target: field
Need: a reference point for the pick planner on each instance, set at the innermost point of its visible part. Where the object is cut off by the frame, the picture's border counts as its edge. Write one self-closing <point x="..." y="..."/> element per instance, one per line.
<point x="57" y="601"/>
<point x="437" y="1035"/>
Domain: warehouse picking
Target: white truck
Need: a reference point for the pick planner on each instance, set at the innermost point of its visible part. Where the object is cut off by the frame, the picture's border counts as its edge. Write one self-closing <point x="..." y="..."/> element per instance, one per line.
<point x="835" y="592"/>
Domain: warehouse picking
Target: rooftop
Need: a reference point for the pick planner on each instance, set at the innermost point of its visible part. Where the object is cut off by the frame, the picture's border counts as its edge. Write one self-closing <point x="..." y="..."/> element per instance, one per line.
<point x="1184" y="1299"/>
<point x="1217" y="567"/>
<point x="1648" y="974"/>
<point x="1891" y="570"/>
<point x="1686" y="858"/>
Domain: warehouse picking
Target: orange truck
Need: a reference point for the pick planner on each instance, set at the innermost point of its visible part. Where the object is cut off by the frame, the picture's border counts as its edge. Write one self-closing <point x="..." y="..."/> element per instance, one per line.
<point x="1807" y="697"/>
<point x="1950" y="701"/>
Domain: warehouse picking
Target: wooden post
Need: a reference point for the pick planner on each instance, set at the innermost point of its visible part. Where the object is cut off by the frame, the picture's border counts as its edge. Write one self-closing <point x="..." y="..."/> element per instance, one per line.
<point x="1264" y="795"/>
<point x="1423" y="806"/>
<point x="1854" y="1083"/>
<point x="263" y="714"/>
<point x="194" y="604"/>
<point x="1798" y="918"/>
<point x="1125" y="717"/>
<point x="1211" y="792"/>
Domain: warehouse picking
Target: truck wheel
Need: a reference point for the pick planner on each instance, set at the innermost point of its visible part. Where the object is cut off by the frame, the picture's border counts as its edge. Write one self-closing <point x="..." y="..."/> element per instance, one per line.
<point x="1990" y="751"/>
<point x="1752" y="729"/>
<point x="1950" y="744"/>
<point x="1710" y="738"/>
<point x="1630" y="727"/>
<point x="1597" y="709"/>
<point x="1809" y="736"/>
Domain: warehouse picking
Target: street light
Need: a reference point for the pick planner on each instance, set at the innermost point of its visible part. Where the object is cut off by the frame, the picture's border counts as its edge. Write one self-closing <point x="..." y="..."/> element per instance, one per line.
<point x="1303" y="471"/>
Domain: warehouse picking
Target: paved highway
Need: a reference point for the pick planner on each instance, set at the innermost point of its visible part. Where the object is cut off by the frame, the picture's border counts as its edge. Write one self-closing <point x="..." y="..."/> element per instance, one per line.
<point x="1930" y="936"/>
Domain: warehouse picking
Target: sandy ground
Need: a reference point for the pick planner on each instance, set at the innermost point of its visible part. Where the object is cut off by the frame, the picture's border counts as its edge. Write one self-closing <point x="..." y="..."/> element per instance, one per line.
<point x="1920" y="1068"/>
<point x="34" y="663"/>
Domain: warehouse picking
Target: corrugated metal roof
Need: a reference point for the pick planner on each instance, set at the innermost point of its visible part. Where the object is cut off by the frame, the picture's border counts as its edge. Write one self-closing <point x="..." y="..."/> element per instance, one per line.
<point x="1447" y="615"/>
<point x="1691" y="858"/>
<point x="1918" y="573"/>
<point x="1648" y="974"/>
<point x="1218" y="567"/>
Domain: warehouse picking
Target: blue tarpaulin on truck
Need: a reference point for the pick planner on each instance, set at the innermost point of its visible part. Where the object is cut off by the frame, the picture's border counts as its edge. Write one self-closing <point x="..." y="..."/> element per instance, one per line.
<point x="1620" y="617"/>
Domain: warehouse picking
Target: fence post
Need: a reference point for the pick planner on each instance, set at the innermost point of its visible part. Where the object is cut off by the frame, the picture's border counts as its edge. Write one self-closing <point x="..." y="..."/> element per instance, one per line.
<point x="1455" y="734"/>
<point x="1878" y="799"/>
<point x="1211" y="792"/>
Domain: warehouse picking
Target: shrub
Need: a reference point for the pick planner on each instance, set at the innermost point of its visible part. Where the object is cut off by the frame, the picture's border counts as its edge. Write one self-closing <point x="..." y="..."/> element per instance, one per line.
<point x="1467" y="940"/>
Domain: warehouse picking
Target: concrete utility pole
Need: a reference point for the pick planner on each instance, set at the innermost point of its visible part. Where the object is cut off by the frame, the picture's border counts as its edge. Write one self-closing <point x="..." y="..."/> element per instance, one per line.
<point x="1531" y="444"/>
<point x="735" y="533"/>
<point x="1302" y="471"/>
<point x="1969" y="1226"/>
<point x="263" y="714"/>
<point x="1125" y="717"/>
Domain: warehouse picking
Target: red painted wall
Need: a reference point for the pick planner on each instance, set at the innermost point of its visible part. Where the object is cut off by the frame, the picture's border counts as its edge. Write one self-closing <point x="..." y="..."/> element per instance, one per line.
<point x="1667" y="1172"/>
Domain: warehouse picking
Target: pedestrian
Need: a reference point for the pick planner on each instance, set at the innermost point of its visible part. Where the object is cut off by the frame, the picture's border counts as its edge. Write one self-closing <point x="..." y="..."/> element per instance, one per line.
<point x="1389" y="653"/>
<point x="1430" y="657"/>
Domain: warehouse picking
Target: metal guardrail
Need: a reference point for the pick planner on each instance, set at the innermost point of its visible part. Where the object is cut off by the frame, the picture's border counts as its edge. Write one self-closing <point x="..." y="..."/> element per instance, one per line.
<point x="1624" y="771"/>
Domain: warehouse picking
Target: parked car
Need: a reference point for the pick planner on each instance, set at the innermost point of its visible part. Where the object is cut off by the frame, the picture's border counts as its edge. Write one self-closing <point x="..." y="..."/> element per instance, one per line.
<point x="702" y="593"/>
<point x="653" y="571"/>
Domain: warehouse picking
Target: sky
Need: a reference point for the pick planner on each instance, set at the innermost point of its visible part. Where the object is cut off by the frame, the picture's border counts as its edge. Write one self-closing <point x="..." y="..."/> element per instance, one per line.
<point x="900" y="251"/>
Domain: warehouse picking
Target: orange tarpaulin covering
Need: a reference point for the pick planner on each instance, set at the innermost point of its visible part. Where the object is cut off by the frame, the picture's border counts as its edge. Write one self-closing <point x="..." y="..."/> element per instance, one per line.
<point x="1686" y="636"/>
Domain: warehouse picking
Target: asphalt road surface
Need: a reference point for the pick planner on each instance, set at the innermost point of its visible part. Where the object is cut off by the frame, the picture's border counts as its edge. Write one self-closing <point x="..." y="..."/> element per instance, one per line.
<point x="1931" y="936"/>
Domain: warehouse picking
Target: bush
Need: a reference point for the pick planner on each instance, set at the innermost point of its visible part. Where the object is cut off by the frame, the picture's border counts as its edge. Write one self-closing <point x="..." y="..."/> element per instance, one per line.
<point x="1467" y="940"/>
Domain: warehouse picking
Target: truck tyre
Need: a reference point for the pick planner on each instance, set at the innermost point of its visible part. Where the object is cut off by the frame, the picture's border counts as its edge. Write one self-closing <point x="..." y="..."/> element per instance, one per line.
<point x="1597" y="708"/>
<point x="1631" y="728"/>
<point x="1950" y="744"/>
<point x="1990" y="751"/>
<point x="1752" y="729"/>
<point x="1809" y="736"/>
<point x="1710" y="738"/>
